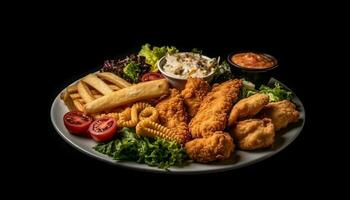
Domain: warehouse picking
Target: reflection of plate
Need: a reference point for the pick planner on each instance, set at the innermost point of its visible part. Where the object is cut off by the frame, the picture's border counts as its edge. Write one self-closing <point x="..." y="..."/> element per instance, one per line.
<point x="240" y="158"/>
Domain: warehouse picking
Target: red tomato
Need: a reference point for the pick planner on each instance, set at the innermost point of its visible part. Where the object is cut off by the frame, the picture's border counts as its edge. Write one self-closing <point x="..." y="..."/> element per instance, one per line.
<point x="77" y="122"/>
<point x="103" y="129"/>
<point x="150" y="76"/>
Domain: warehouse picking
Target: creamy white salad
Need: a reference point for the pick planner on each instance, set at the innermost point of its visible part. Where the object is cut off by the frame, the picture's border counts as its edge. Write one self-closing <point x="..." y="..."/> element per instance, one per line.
<point x="186" y="64"/>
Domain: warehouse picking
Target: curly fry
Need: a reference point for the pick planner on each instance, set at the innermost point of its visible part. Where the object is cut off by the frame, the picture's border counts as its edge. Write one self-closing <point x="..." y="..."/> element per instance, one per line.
<point x="152" y="129"/>
<point x="126" y="114"/>
<point x="131" y="119"/>
<point x="125" y="119"/>
<point x="150" y="113"/>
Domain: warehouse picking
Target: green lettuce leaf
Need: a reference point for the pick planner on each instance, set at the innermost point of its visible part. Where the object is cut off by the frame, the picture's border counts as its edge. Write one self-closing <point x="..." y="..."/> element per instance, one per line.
<point x="154" y="152"/>
<point x="154" y="54"/>
<point x="277" y="93"/>
<point x="132" y="71"/>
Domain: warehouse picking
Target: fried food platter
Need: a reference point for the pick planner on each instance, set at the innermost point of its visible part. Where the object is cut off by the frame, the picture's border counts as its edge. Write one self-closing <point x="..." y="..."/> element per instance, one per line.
<point x="166" y="130"/>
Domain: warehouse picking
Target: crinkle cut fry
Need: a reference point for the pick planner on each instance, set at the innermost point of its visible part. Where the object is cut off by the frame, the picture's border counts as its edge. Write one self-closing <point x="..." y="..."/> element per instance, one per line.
<point x="153" y="129"/>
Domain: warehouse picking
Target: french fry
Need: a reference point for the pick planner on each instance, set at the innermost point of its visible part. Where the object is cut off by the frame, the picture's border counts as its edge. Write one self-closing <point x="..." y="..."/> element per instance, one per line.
<point x="78" y="105"/>
<point x="75" y="96"/>
<point x="114" y="87"/>
<point x="114" y="79"/>
<point x="85" y="92"/>
<point x="68" y="101"/>
<point x="96" y="96"/>
<point x="94" y="92"/>
<point x="63" y="94"/>
<point x="97" y="83"/>
<point x="81" y="101"/>
<point x="134" y="93"/>
<point x="72" y="88"/>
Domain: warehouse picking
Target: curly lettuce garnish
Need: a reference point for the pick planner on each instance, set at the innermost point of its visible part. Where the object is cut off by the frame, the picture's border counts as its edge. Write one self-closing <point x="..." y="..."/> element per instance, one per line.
<point x="275" y="94"/>
<point x="154" y="54"/>
<point x="132" y="71"/>
<point x="223" y="73"/>
<point x="154" y="152"/>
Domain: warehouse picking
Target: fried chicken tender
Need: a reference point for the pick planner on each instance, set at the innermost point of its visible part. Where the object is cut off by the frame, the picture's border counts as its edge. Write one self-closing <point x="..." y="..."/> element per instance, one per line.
<point x="252" y="134"/>
<point x="281" y="113"/>
<point x="172" y="113"/>
<point x="207" y="126"/>
<point x="195" y="91"/>
<point x="218" y="146"/>
<point x="247" y="107"/>
<point x="212" y="113"/>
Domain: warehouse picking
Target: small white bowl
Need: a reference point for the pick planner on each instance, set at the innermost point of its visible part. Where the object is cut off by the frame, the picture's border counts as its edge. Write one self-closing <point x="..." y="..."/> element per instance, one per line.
<point x="176" y="82"/>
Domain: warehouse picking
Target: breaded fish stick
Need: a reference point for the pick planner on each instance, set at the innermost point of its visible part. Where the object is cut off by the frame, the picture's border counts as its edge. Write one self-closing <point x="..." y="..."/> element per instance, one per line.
<point x="134" y="93"/>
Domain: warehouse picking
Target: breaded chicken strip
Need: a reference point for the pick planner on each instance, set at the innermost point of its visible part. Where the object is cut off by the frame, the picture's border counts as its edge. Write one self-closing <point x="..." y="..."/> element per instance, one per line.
<point x="212" y="113"/>
<point x="281" y="113"/>
<point x="247" y="107"/>
<point x="195" y="91"/>
<point x="172" y="113"/>
<point x="218" y="146"/>
<point x="252" y="134"/>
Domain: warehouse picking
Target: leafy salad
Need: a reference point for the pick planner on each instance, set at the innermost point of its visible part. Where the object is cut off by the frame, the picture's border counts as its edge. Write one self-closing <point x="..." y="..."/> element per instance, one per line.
<point x="154" y="152"/>
<point x="277" y="93"/>
<point x="153" y="54"/>
<point x="135" y="66"/>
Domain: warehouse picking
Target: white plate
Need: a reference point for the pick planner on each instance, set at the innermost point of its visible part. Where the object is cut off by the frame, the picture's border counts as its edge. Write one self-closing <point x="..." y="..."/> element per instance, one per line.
<point x="239" y="159"/>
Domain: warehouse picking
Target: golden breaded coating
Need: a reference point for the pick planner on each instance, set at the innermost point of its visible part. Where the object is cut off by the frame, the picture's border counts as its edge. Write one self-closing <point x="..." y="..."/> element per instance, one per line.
<point x="281" y="113"/>
<point x="218" y="146"/>
<point x="252" y="134"/>
<point x="195" y="91"/>
<point x="247" y="107"/>
<point x="212" y="113"/>
<point x="172" y="113"/>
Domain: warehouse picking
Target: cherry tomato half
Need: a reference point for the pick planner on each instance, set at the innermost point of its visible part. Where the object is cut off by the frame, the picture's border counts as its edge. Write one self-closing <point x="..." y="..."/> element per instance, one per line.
<point x="103" y="129"/>
<point x="150" y="76"/>
<point x="77" y="122"/>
